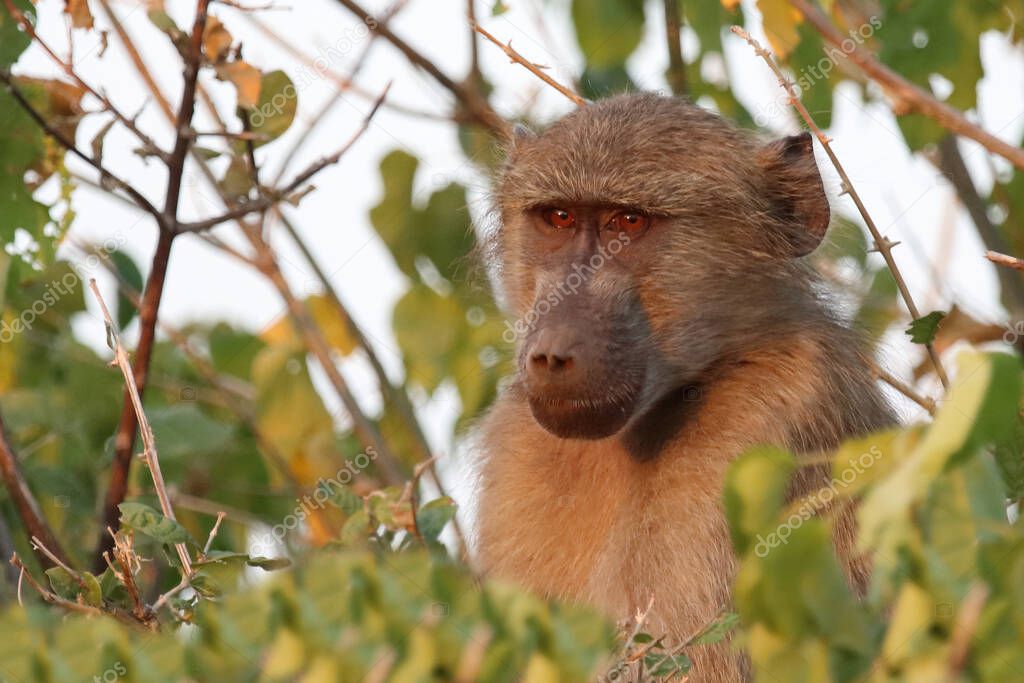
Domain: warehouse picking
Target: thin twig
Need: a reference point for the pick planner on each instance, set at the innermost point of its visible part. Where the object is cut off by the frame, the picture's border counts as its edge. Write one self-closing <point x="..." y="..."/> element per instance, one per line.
<point x="67" y="67"/>
<point x="39" y="546"/>
<point x="474" y="103"/>
<point x="107" y="178"/>
<point x="952" y="165"/>
<point x="536" y="69"/>
<point x="128" y="425"/>
<point x="925" y="402"/>
<point x="676" y="74"/>
<point x="58" y="601"/>
<point x="1005" y="260"/>
<point x="137" y="62"/>
<point x="907" y="96"/>
<point x="272" y="197"/>
<point x="149" y="441"/>
<point x="882" y="244"/>
<point x="322" y="114"/>
<point x="213" y="532"/>
<point x="24" y="502"/>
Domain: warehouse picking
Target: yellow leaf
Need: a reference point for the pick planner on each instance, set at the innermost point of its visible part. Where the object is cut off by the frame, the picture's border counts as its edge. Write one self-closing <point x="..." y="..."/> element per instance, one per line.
<point x="780" y="22"/>
<point x="246" y="78"/>
<point x="540" y="669"/>
<point x="322" y="670"/>
<point x="326" y="315"/>
<point x="286" y="654"/>
<point x="216" y="40"/>
<point x="79" y="12"/>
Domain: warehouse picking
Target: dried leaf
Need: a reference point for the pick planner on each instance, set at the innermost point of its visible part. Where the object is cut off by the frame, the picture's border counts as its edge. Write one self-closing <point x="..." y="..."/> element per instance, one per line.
<point x="79" y="12"/>
<point x="97" y="141"/>
<point x="246" y="78"/>
<point x="216" y="40"/>
<point x="780" y="25"/>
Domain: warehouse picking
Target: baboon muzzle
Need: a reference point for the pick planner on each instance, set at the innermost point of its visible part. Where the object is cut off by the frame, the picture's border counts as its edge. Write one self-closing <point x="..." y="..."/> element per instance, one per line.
<point x="582" y="375"/>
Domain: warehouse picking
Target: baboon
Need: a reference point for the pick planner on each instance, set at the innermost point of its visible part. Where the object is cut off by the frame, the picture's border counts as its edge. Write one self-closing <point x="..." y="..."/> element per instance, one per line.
<point x="651" y="254"/>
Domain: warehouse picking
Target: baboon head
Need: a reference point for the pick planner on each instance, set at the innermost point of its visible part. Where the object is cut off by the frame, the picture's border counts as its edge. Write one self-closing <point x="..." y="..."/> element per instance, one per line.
<point x="643" y="241"/>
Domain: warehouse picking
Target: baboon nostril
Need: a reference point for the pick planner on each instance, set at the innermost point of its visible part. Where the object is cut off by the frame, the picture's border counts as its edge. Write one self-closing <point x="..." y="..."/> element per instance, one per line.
<point x="557" y="363"/>
<point x="551" y="362"/>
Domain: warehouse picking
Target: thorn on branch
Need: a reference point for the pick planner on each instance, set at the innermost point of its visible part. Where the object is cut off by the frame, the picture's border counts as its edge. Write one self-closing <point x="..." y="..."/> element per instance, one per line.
<point x="883" y="245"/>
<point x="534" y="68"/>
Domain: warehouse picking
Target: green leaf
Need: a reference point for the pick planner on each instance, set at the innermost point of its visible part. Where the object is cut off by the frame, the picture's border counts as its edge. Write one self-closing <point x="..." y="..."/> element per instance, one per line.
<point x="205" y="585"/>
<point x="717" y="630"/>
<point x="70" y="588"/>
<point x="608" y="31"/>
<point x="148" y="521"/>
<point x="347" y="500"/>
<point x="924" y="329"/>
<point x="14" y="41"/>
<point x="432" y="517"/>
<point x="125" y="311"/>
<point x="269" y="564"/>
<point x="755" y="488"/>
<point x="275" y="110"/>
<point x="184" y="430"/>
<point x="980" y="409"/>
<point x="429" y="329"/>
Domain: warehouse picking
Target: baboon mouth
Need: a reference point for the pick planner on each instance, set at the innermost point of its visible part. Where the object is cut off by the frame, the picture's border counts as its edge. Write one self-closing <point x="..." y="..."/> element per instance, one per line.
<point x="582" y="418"/>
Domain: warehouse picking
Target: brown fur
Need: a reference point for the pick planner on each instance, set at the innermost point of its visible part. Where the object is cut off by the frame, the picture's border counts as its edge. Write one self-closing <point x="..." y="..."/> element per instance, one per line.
<point x="721" y="307"/>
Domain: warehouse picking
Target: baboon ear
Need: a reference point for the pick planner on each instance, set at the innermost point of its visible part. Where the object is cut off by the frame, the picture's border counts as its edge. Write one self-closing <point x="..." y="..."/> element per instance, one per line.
<point x="521" y="134"/>
<point x="797" y="196"/>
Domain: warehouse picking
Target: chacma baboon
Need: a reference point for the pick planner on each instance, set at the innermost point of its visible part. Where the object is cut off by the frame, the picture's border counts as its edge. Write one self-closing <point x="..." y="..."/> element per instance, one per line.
<point x="650" y="253"/>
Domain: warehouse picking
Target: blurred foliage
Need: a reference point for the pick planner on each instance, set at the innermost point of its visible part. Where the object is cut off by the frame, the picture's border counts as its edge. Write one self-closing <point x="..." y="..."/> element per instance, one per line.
<point x="945" y="598"/>
<point x="242" y="425"/>
<point x="347" y="616"/>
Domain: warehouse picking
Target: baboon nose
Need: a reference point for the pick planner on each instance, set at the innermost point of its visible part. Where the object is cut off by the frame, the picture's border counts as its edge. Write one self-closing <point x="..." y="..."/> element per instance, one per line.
<point x="553" y="357"/>
<point x="551" y="362"/>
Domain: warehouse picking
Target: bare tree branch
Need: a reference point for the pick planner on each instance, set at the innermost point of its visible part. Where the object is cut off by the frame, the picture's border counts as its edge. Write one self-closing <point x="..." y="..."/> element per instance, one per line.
<point x="107" y="179"/>
<point x="908" y="96"/>
<point x="1005" y="260"/>
<point x="149" y="441"/>
<point x="25" y="503"/>
<point x="882" y="244"/>
<point x="676" y="74"/>
<point x="471" y="100"/>
<point x="951" y="163"/>
<point x="536" y="69"/>
<point x="153" y="293"/>
<point x="274" y="196"/>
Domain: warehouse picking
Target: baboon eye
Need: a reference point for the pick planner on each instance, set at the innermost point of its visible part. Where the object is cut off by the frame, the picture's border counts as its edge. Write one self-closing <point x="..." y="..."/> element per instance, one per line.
<point x="560" y="218"/>
<point x="632" y="223"/>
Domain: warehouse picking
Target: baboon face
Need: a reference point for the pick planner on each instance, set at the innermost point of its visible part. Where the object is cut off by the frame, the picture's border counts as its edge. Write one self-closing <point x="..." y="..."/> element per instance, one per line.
<point x="642" y="238"/>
